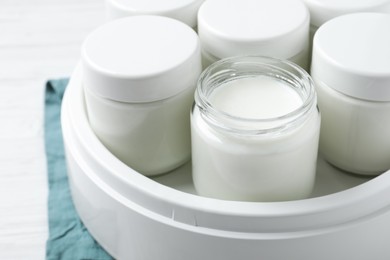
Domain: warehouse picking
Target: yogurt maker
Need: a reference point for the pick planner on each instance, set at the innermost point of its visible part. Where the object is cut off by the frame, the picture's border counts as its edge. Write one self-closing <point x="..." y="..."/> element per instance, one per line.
<point x="136" y="217"/>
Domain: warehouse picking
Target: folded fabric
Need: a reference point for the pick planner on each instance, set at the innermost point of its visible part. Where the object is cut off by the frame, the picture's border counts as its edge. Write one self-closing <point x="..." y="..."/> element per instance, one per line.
<point x="68" y="237"/>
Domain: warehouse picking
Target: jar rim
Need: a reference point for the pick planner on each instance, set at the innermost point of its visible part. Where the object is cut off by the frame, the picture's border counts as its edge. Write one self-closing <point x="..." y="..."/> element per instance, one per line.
<point x="298" y="78"/>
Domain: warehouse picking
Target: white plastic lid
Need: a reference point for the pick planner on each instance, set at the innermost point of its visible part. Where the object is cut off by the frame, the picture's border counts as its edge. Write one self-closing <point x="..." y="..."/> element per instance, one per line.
<point x="141" y="59"/>
<point x="351" y="54"/>
<point x="182" y="10"/>
<point x="324" y="10"/>
<point x="277" y="28"/>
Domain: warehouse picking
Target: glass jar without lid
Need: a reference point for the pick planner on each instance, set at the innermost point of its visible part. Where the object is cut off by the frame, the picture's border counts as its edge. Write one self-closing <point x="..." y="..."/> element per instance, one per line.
<point x="254" y="129"/>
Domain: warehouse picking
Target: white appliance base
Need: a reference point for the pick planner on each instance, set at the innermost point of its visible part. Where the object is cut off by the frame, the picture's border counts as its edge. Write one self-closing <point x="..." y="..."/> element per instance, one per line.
<point x="135" y="217"/>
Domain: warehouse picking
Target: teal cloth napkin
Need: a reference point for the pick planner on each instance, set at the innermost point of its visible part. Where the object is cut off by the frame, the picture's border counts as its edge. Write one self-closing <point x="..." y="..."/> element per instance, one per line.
<point x="68" y="237"/>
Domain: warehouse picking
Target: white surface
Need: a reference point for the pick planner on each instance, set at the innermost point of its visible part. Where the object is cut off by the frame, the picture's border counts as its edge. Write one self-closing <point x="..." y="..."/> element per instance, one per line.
<point x="121" y="207"/>
<point x="39" y="39"/>
<point x="140" y="58"/>
<point x="351" y="54"/>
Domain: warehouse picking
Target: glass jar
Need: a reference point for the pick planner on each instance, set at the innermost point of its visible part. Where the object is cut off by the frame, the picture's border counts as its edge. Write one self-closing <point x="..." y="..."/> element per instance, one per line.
<point x="254" y="130"/>
<point x="275" y="28"/>
<point x="351" y="68"/>
<point x="139" y="77"/>
<point x="182" y="10"/>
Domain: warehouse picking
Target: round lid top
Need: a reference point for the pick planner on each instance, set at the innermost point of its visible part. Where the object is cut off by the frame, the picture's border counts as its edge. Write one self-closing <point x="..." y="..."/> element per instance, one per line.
<point x="351" y="54"/>
<point x="277" y="28"/>
<point x="324" y="10"/>
<point x="183" y="10"/>
<point x="141" y="59"/>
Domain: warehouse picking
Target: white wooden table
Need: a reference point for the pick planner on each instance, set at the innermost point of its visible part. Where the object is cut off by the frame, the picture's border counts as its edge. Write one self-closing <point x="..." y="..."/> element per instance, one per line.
<point x="39" y="39"/>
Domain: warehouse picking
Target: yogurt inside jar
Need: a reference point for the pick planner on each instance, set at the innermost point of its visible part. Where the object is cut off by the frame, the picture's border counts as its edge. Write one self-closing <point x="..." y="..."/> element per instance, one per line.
<point x="255" y="130"/>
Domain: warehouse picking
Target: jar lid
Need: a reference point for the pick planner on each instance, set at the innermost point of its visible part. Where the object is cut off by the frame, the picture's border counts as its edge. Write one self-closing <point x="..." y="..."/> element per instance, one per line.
<point x="182" y="10"/>
<point x="277" y="28"/>
<point x="324" y="10"/>
<point x="351" y="54"/>
<point x="141" y="59"/>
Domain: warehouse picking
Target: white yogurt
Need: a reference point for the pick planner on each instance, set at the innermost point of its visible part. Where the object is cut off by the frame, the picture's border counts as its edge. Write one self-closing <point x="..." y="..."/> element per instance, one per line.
<point x="353" y="85"/>
<point x="244" y="98"/>
<point x="139" y="76"/>
<point x="254" y="137"/>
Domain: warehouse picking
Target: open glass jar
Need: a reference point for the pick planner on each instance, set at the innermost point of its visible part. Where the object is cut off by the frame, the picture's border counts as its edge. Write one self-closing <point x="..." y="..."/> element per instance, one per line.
<point x="255" y="130"/>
